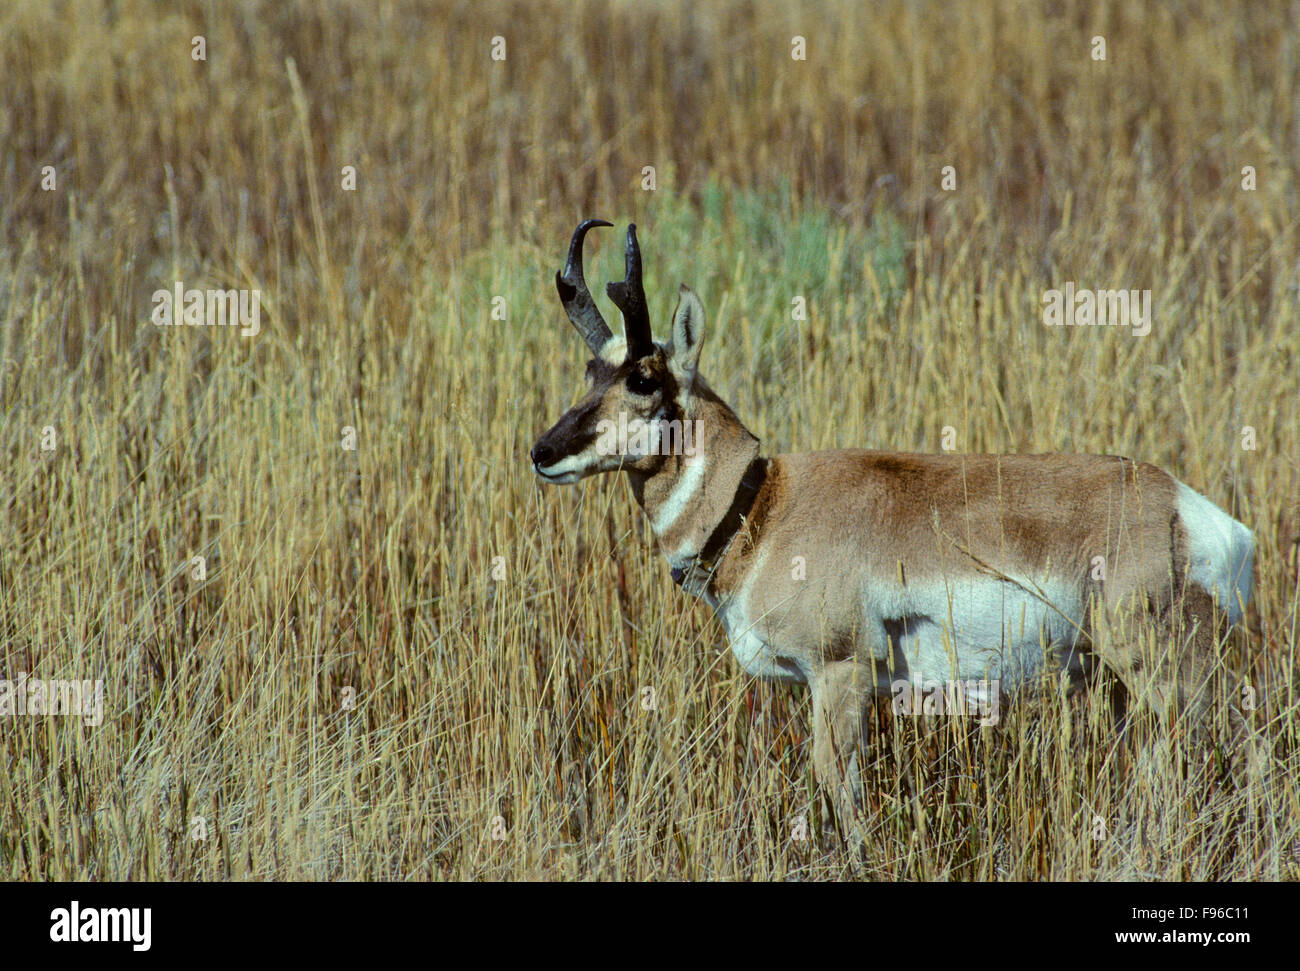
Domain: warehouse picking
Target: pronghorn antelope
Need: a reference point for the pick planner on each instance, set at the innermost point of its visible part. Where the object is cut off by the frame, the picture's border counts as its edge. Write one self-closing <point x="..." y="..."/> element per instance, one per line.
<point x="857" y="571"/>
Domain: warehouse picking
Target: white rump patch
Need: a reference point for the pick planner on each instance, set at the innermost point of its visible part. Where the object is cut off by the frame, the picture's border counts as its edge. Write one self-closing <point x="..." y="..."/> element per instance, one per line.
<point x="1221" y="551"/>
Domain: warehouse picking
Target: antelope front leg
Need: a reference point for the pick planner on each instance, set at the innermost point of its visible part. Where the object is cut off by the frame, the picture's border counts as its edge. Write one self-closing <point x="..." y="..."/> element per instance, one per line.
<point x="839" y="695"/>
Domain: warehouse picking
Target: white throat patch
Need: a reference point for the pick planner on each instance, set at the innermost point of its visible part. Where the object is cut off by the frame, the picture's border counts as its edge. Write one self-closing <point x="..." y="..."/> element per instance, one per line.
<point x="683" y="492"/>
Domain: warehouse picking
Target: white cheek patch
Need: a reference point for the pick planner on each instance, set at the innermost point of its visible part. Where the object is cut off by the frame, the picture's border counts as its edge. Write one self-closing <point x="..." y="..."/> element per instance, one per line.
<point x="641" y="438"/>
<point x="660" y="439"/>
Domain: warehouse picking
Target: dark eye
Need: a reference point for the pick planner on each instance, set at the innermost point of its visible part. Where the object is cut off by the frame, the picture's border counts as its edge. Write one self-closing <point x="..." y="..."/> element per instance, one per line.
<point x="638" y="383"/>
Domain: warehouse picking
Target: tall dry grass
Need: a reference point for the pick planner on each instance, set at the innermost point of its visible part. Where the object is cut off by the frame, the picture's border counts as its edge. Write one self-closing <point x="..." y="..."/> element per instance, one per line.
<point x="499" y="637"/>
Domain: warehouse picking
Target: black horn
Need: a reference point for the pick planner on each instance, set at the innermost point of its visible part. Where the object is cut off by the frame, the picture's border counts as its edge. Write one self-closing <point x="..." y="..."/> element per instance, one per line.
<point x="575" y="296"/>
<point x="629" y="296"/>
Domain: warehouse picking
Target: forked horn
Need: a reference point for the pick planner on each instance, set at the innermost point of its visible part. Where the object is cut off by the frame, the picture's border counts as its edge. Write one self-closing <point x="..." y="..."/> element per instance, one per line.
<point x="629" y="296"/>
<point x="575" y="296"/>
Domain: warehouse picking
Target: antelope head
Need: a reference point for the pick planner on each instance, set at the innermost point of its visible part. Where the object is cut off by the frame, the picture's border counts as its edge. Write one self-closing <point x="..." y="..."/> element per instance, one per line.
<point x="639" y="391"/>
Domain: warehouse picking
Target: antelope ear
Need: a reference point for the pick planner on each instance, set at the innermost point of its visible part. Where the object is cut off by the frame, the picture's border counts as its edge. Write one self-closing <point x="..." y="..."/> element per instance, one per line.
<point x="688" y="331"/>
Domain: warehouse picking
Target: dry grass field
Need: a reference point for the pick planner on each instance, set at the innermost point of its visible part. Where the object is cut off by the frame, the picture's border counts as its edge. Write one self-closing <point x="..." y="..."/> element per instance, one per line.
<point x="342" y="630"/>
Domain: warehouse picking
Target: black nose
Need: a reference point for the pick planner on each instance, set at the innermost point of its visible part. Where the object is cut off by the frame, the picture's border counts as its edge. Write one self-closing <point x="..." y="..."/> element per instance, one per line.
<point x="543" y="455"/>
